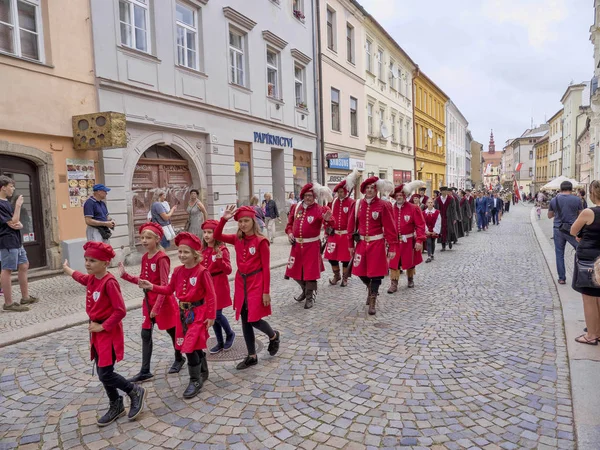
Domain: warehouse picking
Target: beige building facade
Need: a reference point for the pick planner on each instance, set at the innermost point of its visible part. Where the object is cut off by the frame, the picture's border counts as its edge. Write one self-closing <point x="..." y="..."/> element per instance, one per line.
<point x="572" y="100"/>
<point x="555" y="145"/>
<point x="53" y="65"/>
<point x="476" y="175"/>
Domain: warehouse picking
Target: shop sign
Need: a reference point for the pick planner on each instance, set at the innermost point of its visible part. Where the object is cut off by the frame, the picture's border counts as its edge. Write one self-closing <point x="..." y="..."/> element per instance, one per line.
<point x="336" y="178"/>
<point x="270" y="139"/>
<point x="357" y="164"/>
<point x="329" y="156"/>
<point x="339" y="163"/>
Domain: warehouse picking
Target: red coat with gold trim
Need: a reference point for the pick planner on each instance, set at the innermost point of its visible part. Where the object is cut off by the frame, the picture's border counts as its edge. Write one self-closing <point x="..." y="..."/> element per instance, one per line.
<point x="305" y="262"/>
<point x="409" y="220"/>
<point x="338" y="244"/>
<point x="374" y="218"/>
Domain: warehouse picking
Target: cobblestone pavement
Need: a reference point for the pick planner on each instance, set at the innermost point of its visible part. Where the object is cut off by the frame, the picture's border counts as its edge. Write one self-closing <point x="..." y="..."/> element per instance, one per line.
<point x="473" y="357"/>
<point x="61" y="297"/>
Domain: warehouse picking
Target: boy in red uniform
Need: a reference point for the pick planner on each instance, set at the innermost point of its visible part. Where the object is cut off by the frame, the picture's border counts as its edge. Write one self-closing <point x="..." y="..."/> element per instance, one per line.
<point x="411" y="235"/>
<point x="193" y="288"/>
<point x="159" y="309"/>
<point x="376" y="230"/>
<point x="305" y="222"/>
<point x="105" y="307"/>
<point x="433" y="226"/>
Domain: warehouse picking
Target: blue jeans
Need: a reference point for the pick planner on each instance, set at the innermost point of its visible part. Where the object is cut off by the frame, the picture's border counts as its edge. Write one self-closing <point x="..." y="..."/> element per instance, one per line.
<point x="221" y="324"/>
<point x="481" y="220"/>
<point x="560" y="242"/>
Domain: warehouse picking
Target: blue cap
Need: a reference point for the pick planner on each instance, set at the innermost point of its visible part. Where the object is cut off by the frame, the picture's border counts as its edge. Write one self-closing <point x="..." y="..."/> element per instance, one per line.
<point x="100" y="187"/>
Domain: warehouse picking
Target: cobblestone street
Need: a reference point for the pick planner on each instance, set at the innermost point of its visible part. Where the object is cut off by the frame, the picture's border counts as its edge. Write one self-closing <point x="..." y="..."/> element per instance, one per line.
<point x="473" y="357"/>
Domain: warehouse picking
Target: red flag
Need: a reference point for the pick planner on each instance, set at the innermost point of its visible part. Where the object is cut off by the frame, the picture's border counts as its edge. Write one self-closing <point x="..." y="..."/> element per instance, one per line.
<point x="518" y="168"/>
<point x="516" y="189"/>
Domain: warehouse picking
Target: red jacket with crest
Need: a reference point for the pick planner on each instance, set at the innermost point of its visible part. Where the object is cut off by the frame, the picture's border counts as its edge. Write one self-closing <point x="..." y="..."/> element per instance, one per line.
<point x="338" y="244"/>
<point x="409" y="220"/>
<point x="219" y="269"/>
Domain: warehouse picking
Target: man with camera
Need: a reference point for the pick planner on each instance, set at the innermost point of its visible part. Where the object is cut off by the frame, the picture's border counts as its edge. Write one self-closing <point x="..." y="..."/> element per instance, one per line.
<point x="99" y="224"/>
<point x="564" y="209"/>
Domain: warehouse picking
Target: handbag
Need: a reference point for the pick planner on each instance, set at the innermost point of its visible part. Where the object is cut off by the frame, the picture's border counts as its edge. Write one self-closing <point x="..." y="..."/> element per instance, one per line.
<point x="564" y="227"/>
<point x="584" y="274"/>
<point x="105" y="232"/>
<point x="169" y="232"/>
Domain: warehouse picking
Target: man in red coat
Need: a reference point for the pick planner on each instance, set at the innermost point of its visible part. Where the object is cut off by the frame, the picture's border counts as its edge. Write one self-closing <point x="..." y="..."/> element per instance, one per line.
<point x="339" y="240"/>
<point x="305" y="222"/>
<point x="411" y="235"/>
<point x="376" y="228"/>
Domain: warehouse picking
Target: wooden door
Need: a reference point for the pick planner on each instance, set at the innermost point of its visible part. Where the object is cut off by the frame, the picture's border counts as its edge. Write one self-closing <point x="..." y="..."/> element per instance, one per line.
<point x="27" y="183"/>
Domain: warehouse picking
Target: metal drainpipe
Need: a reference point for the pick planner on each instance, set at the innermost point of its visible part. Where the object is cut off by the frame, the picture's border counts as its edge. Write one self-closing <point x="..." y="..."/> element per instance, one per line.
<point x="318" y="74"/>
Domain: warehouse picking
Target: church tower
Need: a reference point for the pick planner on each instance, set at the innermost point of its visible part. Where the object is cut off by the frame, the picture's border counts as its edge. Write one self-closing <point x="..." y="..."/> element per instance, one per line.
<point x="492" y="145"/>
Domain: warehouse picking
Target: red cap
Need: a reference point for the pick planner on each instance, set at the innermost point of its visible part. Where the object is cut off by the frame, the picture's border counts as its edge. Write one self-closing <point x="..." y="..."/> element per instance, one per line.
<point x="99" y="251"/>
<point x="154" y="227"/>
<point x="305" y="189"/>
<point x="340" y="185"/>
<point x="244" y="211"/>
<point x="189" y="239"/>
<point x="367" y="182"/>
<point x="210" y="224"/>
<point x="399" y="190"/>
<point x="412" y="197"/>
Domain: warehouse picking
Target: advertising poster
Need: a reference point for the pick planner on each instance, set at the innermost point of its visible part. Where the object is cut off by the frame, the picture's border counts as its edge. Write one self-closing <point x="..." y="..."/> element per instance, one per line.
<point x="81" y="177"/>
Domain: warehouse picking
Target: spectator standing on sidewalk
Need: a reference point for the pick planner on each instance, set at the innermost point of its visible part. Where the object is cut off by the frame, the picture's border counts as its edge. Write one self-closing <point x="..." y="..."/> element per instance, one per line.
<point x="12" y="253"/>
<point x="564" y="209"/>
<point x="98" y="221"/>
<point x="587" y="228"/>
<point x="271" y="214"/>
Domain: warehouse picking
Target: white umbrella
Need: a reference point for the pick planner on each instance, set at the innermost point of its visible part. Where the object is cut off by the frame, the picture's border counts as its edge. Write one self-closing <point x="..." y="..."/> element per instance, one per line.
<point x="554" y="185"/>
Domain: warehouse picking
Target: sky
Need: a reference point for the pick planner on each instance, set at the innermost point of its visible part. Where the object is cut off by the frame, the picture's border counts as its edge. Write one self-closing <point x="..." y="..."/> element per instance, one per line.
<point x="501" y="62"/>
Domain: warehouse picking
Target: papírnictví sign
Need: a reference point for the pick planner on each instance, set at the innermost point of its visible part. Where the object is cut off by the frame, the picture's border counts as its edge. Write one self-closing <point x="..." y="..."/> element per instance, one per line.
<point x="270" y="139"/>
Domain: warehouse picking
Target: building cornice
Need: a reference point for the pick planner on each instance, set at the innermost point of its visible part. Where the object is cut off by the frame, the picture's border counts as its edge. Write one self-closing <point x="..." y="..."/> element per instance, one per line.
<point x="556" y="115"/>
<point x="274" y="40"/>
<point x="300" y="57"/>
<point x="420" y="75"/>
<point x="238" y="18"/>
<point x="341" y="68"/>
<point x="116" y="86"/>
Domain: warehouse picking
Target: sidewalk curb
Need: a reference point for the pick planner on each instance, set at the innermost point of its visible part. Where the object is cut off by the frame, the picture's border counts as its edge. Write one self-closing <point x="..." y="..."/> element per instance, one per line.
<point x="584" y="373"/>
<point x="73" y="320"/>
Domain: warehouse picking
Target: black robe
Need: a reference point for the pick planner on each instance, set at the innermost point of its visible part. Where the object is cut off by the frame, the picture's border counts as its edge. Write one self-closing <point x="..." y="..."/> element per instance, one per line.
<point x="448" y="213"/>
<point x="465" y="209"/>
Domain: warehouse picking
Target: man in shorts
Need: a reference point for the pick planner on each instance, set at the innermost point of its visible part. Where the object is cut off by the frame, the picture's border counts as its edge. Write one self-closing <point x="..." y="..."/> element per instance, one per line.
<point x="12" y="253"/>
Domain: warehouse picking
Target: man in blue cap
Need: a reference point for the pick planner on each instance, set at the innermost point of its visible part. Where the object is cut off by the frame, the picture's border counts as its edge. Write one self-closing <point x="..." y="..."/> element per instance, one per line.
<point x="99" y="224"/>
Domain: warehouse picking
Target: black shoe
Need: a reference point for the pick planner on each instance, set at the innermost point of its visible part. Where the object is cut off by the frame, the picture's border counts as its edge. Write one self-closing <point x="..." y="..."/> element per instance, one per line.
<point x="301" y="297"/>
<point x="138" y="397"/>
<point x="115" y="410"/>
<point x="432" y="257"/>
<point x="204" y="369"/>
<point x="195" y="382"/>
<point x="248" y="362"/>
<point x="229" y="340"/>
<point x="428" y="260"/>
<point x="274" y="344"/>
<point x="450" y="245"/>
<point x="177" y="365"/>
<point x="141" y="377"/>
<point x="217" y="348"/>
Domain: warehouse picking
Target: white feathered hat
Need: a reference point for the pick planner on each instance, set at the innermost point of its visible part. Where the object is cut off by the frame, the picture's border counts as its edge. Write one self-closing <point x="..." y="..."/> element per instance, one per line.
<point x="408" y="188"/>
<point x="322" y="193"/>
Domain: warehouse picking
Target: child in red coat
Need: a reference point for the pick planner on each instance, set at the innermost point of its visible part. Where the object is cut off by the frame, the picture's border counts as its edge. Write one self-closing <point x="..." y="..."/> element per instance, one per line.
<point x="105" y="307"/>
<point x="252" y="300"/>
<point x="193" y="288"/>
<point x="215" y="257"/>
<point x="159" y="309"/>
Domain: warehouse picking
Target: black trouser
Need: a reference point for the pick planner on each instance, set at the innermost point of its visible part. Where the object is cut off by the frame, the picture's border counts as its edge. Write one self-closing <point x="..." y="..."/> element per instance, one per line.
<point x="248" y="329"/>
<point x="430" y="246"/>
<point x="147" y="346"/>
<point x="112" y="381"/>
<point x="507" y="206"/>
<point x="335" y="263"/>
<point x="195" y="358"/>
<point x="372" y="283"/>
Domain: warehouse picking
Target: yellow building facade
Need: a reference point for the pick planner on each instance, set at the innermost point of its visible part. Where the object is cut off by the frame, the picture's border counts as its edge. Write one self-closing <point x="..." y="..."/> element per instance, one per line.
<point x="540" y="150"/>
<point x="430" y="131"/>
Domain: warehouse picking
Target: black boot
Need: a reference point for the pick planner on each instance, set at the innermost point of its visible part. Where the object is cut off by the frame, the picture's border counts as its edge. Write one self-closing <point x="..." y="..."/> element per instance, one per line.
<point x="248" y="362"/>
<point x="137" y="397"/>
<point x="144" y="373"/>
<point x="177" y="364"/>
<point x="274" y="344"/>
<point x="115" y="410"/>
<point x="195" y="381"/>
<point x="310" y="299"/>
<point x="302" y="296"/>
<point x="203" y="367"/>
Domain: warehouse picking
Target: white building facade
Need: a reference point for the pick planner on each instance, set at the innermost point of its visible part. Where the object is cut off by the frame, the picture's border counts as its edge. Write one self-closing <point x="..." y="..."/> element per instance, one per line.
<point x="572" y="100"/>
<point x="456" y="135"/>
<point x="595" y="95"/>
<point x="218" y="96"/>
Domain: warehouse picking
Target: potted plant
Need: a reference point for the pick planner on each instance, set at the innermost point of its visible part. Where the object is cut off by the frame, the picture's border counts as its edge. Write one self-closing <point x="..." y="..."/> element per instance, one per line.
<point x="298" y="14"/>
<point x="302" y="105"/>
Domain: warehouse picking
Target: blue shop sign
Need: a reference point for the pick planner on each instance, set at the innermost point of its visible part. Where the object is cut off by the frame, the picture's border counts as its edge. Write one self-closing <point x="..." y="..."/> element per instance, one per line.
<point x="340" y="163"/>
<point x="271" y="139"/>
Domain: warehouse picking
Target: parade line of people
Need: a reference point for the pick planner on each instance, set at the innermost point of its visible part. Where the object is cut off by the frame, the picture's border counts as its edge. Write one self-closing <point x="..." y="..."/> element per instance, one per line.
<point x="384" y="232"/>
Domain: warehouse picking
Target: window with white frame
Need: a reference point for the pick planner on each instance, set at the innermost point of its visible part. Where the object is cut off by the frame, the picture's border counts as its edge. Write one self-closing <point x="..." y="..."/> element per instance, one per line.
<point x="331" y="44"/>
<point x="134" y="20"/>
<point x="299" y="86"/>
<point x="408" y="141"/>
<point x="380" y="64"/>
<point x="381" y="117"/>
<point x="393" y="119"/>
<point x="401" y="131"/>
<point x="350" y="43"/>
<point x="187" y="36"/>
<point x="391" y="75"/>
<point x="298" y="9"/>
<point x="273" y="74"/>
<point x="335" y="109"/>
<point x="370" y="119"/>
<point x="237" y="60"/>
<point x="369" y="54"/>
<point x="353" y="116"/>
<point x="20" y="28"/>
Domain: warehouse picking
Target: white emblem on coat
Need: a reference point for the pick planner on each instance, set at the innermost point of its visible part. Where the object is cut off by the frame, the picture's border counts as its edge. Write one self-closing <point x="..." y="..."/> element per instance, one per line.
<point x="310" y="219"/>
<point x="252" y="250"/>
<point x="345" y="209"/>
<point x="214" y="258"/>
<point x="179" y="341"/>
<point x="331" y="247"/>
<point x="193" y="281"/>
<point x="291" y="262"/>
<point x="153" y="267"/>
<point x="357" y="260"/>
<point x="407" y="218"/>
<point x="375" y="215"/>
<point x="96" y="295"/>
